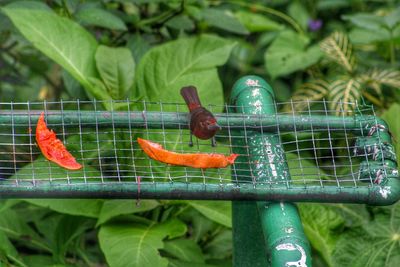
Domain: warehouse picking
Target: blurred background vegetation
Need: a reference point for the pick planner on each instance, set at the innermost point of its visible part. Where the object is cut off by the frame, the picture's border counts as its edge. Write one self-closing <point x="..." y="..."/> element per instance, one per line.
<point x="332" y="49"/>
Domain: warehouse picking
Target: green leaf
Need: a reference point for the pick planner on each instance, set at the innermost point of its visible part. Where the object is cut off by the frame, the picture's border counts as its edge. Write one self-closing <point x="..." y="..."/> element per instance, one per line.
<point x="218" y="211"/>
<point x="79" y="207"/>
<point x="256" y="22"/>
<point x="113" y="208"/>
<point x="366" y="21"/>
<point x="116" y="68"/>
<point x="136" y="244"/>
<point x="338" y="48"/>
<point x="6" y="247"/>
<point x="382" y="77"/>
<point x="187" y="61"/>
<point x="15" y="227"/>
<point x="289" y="53"/>
<point x="375" y="244"/>
<point x="185" y="250"/>
<point x="343" y="92"/>
<point x="391" y="116"/>
<point x="223" y="19"/>
<point x="220" y="247"/>
<point x="94" y="16"/>
<point x="303" y="169"/>
<point x="365" y="36"/>
<point x="320" y="222"/>
<point x="179" y="263"/>
<point x="73" y="87"/>
<point x="308" y="92"/>
<point x="69" y="230"/>
<point x="181" y="22"/>
<point x="138" y="46"/>
<point x="61" y="39"/>
<point x="38" y="260"/>
<point x="298" y="12"/>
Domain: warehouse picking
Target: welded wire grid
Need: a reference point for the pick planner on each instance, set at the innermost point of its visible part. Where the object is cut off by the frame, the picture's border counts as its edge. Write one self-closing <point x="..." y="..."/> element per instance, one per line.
<point x="105" y="144"/>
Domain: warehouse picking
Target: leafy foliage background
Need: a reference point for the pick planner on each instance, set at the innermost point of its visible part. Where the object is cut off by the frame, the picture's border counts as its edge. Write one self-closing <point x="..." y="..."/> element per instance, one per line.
<point x="143" y="49"/>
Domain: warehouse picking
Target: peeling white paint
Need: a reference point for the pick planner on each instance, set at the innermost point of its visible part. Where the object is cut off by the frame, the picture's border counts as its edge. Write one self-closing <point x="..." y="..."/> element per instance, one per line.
<point x="256" y="92"/>
<point x="282" y="208"/>
<point x="251" y="82"/>
<point x="291" y="247"/>
<point x="289" y="230"/>
<point x="385" y="191"/>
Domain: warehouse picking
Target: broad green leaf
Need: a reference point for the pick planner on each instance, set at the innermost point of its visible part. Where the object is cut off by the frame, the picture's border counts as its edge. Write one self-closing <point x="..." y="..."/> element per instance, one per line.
<point x="180" y="263"/>
<point x="6" y="247"/>
<point x="298" y="11"/>
<point x="15" y="227"/>
<point x="8" y="203"/>
<point x="138" y="46"/>
<point x="94" y="16"/>
<point x="220" y="247"/>
<point x="256" y="22"/>
<point x="181" y="22"/>
<point x="116" y="68"/>
<point x="366" y="21"/>
<point x="136" y="244"/>
<point x="329" y="5"/>
<point x="302" y="170"/>
<point x="38" y="260"/>
<point x="69" y="230"/>
<point x="218" y="211"/>
<point x="391" y="116"/>
<point x="392" y="20"/>
<point x="113" y="208"/>
<point x="375" y="244"/>
<point x="365" y="36"/>
<point x="320" y="222"/>
<point x="61" y="39"/>
<point x="224" y="20"/>
<point x="42" y="170"/>
<point x="185" y="250"/>
<point x="353" y="214"/>
<point x="200" y="224"/>
<point x="73" y="87"/>
<point x="79" y="207"/>
<point x="289" y="53"/>
<point x="164" y="69"/>
<point x="338" y="48"/>
<point x="98" y="89"/>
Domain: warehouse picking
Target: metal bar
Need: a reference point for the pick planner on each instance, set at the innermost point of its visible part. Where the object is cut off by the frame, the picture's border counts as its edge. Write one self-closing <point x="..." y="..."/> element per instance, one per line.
<point x="285" y="242"/>
<point x="377" y="195"/>
<point x="174" y="120"/>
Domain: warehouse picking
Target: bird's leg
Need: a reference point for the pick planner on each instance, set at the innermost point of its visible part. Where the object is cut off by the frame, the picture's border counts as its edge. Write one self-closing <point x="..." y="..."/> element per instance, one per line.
<point x="191" y="139"/>
<point x="213" y="142"/>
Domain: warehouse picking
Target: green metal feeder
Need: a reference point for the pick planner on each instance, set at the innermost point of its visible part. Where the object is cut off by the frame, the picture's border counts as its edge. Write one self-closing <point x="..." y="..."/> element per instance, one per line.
<point x="316" y="155"/>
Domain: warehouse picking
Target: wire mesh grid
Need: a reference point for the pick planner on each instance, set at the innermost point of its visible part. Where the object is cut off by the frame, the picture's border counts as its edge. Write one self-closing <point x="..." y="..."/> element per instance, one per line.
<point x="321" y="146"/>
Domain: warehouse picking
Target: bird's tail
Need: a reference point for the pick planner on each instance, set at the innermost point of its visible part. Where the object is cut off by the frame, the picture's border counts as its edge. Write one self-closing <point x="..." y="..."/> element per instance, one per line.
<point x="191" y="97"/>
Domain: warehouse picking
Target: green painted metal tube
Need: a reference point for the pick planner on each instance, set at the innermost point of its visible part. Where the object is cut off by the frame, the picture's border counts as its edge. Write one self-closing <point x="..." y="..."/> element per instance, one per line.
<point x="174" y="120"/>
<point x="285" y="242"/>
<point x="376" y="195"/>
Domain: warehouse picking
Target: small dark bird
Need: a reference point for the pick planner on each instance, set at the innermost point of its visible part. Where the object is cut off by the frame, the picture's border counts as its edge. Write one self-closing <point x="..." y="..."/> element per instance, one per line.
<point x="202" y="122"/>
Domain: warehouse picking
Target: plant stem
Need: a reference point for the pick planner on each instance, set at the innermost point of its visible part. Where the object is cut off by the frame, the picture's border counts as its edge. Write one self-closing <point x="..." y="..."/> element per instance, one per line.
<point x="17" y="261"/>
<point x="392" y="50"/>
<point x="373" y="99"/>
<point x="272" y="11"/>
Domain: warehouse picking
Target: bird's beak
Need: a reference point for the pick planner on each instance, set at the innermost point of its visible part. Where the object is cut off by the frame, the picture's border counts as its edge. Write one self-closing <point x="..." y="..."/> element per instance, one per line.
<point x="214" y="127"/>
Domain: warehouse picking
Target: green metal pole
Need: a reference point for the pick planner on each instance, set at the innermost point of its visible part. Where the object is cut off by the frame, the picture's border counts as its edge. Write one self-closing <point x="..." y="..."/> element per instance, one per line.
<point x="179" y="120"/>
<point x="285" y="243"/>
